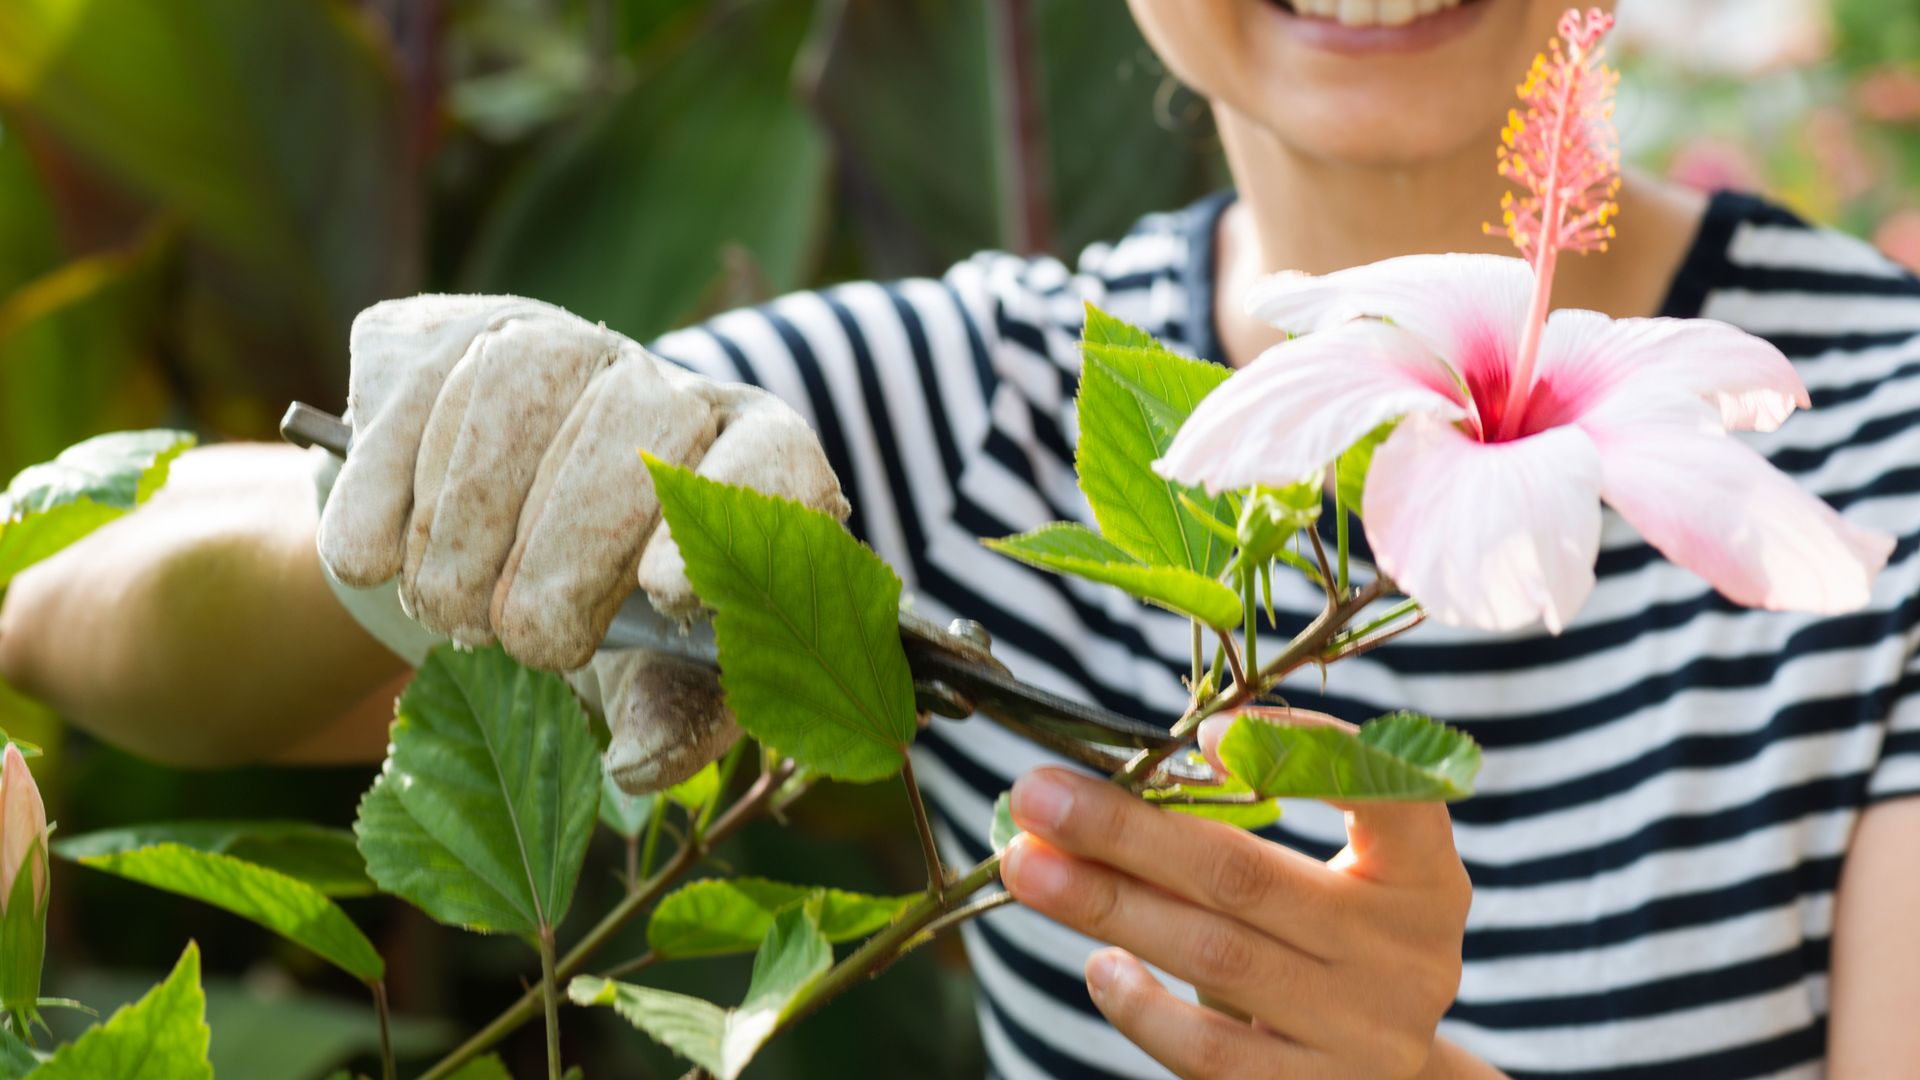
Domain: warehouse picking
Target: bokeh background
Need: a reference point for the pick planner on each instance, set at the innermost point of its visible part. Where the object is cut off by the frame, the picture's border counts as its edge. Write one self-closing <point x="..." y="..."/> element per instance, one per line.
<point x="197" y="195"/>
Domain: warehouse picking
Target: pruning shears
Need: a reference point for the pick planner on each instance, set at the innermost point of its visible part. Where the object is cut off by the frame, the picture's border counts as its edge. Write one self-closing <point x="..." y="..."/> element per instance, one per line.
<point x="955" y="674"/>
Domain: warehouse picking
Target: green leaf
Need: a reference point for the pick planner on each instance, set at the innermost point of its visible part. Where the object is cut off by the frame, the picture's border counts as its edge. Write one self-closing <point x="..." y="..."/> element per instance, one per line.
<point x="27" y="749"/>
<point x="285" y="905"/>
<point x="792" y="957"/>
<point x="51" y="505"/>
<point x="483" y="1068"/>
<point x="696" y="791"/>
<point x="324" y="858"/>
<point x="1133" y="399"/>
<point x="705" y="171"/>
<point x="1004" y="829"/>
<point x="118" y="470"/>
<point x="163" y="1036"/>
<point x="807" y="621"/>
<point x="732" y="915"/>
<point x="623" y="813"/>
<point x="16" y="1059"/>
<point x="1401" y="756"/>
<point x="1351" y="474"/>
<point x="482" y="812"/>
<point x="23" y="942"/>
<point x="1070" y="548"/>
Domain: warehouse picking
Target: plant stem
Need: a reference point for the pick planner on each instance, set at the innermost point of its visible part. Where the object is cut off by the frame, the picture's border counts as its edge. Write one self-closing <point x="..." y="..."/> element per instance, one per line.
<point x="1193" y="685"/>
<point x="380" y="1009"/>
<point x="1327" y="577"/>
<point x="929" y="849"/>
<point x="1305" y="648"/>
<point x="1250" y="602"/>
<point x="880" y="950"/>
<point x="1340" y="539"/>
<point x="1361" y="644"/>
<point x="639" y="963"/>
<point x="655" y="821"/>
<point x="963" y="913"/>
<point x="550" y="997"/>
<point x="1232" y="653"/>
<point x="756" y="801"/>
<point x="1244" y="799"/>
<point x="633" y="864"/>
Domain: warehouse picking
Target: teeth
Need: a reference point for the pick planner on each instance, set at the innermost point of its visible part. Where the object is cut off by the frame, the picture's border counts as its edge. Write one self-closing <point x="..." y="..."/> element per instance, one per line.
<point x="1372" y="12"/>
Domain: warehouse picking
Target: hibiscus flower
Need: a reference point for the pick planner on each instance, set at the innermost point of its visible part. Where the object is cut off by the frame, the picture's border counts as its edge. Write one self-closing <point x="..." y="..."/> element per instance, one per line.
<point x="1511" y="427"/>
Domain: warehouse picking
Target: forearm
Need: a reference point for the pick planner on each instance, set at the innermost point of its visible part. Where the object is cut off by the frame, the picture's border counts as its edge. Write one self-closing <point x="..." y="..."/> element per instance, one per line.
<point x="197" y="630"/>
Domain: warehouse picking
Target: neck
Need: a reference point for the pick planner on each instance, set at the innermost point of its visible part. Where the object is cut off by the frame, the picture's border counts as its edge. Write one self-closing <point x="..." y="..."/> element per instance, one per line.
<point x="1316" y="215"/>
<point x="1297" y="212"/>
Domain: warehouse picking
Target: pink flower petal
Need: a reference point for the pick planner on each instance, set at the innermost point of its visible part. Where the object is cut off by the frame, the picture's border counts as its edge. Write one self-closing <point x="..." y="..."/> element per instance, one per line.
<point x="1588" y="360"/>
<point x="1711" y="504"/>
<point x="1470" y="309"/>
<point x="1489" y="535"/>
<point x="23" y="820"/>
<point x="1290" y="412"/>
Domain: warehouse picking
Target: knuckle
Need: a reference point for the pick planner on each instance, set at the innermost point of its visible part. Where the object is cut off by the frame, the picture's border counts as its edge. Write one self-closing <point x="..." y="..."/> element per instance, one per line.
<point x="1099" y="906"/>
<point x="1240" y="880"/>
<point x="1220" y="954"/>
<point x="1210" y="1056"/>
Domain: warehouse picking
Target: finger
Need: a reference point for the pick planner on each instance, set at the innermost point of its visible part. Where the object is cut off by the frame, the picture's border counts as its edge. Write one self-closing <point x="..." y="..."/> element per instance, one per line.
<point x="591" y="509"/>
<point x="763" y="445"/>
<point x="1209" y="863"/>
<point x="401" y="351"/>
<point x="1215" y="952"/>
<point x="667" y="717"/>
<point x="495" y="418"/>
<point x="1192" y="1041"/>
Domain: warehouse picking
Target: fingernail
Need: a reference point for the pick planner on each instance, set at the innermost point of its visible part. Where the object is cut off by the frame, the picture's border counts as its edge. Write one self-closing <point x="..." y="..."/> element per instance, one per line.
<point x="1030" y="876"/>
<point x="1042" y="801"/>
<point x="1102" y="970"/>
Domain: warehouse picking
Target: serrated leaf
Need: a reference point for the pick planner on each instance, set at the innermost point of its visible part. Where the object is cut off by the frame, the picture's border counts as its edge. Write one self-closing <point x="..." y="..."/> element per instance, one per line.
<point x="482" y="812"/>
<point x="807" y="623"/>
<point x="1401" y="756"/>
<point x="1350" y="475"/>
<point x="696" y="791"/>
<point x="1069" y="548"/>
<point x="792" y="957"/>
<point x="327" y="859"/>
<point x="623" y="813"/>
<point x="117" y="470"/>
<point x="49" y="506"/>
<point x="1004" y="829"/>
<point x="163" y="1036"/>
<point x="33" y="538"/>
<point x="732" y="915"/>
<point x="1133" y="399"/>
<point x="289" y="907"/>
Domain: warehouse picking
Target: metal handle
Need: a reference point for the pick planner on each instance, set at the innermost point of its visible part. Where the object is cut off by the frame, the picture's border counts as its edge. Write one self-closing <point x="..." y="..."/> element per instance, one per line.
<point x="305" y="426"/>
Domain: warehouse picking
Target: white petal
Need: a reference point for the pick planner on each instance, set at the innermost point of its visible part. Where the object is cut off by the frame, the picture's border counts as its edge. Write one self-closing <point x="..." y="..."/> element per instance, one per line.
<point x="1489" y="535"/>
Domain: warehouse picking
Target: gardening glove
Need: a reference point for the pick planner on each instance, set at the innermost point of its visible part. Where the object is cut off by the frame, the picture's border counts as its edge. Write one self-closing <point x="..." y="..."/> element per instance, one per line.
<point x="496" y="473"/>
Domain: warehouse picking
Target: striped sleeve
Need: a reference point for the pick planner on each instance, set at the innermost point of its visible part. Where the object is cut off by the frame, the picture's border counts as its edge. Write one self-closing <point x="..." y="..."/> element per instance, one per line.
<point x="1897" y="774"/>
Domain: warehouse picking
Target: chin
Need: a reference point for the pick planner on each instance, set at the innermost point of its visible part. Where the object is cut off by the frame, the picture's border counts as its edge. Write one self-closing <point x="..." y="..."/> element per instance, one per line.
<point x="1370" y="82"/>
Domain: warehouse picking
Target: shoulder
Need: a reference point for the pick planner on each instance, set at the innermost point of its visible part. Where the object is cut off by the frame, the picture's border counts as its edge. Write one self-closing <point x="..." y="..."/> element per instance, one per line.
<point x="1817" y="293"/>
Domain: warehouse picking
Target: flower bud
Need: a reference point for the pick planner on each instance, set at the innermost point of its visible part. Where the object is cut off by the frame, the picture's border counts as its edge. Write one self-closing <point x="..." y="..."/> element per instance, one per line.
<point x="23" y="890"/>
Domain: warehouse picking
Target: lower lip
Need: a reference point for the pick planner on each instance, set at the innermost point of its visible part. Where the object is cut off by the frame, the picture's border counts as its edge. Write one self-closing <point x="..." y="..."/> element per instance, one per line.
<point x="1420" y="35"/>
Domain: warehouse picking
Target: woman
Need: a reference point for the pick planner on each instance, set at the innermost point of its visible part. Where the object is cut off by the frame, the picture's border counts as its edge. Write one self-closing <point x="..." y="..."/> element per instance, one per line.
<point x="1692" y="850"/>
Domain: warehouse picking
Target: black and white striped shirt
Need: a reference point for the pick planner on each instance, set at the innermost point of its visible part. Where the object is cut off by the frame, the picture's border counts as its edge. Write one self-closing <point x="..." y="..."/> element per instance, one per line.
<point x="1669" y="785"/>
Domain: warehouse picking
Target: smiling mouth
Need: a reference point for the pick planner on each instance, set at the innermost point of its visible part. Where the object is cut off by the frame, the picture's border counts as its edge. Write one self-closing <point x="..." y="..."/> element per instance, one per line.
<point x="1361" y="13"/>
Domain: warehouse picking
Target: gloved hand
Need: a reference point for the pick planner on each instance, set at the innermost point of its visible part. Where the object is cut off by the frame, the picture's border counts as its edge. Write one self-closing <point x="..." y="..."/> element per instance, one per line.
<point x="496" y="471"/>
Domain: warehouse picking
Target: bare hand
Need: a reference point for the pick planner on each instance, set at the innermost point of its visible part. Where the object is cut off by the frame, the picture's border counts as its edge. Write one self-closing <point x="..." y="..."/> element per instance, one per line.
<point x="1345" y="967"/>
